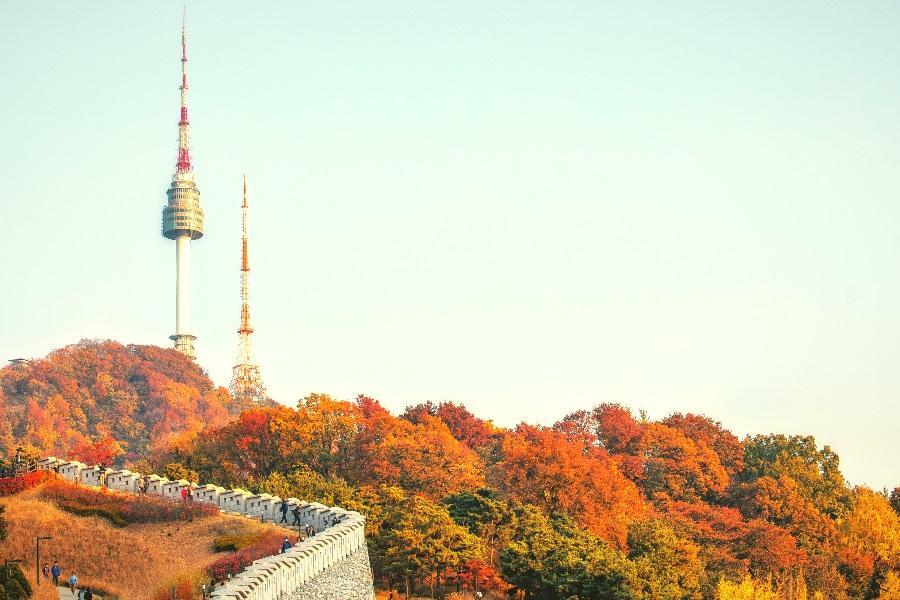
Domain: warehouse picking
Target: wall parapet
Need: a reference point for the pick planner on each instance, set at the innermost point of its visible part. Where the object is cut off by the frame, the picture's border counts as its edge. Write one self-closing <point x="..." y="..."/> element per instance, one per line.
<point x="339" y="533"/>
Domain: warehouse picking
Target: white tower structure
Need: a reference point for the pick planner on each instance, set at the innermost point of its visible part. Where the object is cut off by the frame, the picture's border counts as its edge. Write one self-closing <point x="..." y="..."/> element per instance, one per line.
<point x="182" y="218"/>
<point x="246" y="382"/>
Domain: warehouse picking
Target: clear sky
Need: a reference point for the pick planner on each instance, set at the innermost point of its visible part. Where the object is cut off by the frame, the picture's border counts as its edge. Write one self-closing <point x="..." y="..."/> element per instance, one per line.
<point x="527" y="207"/>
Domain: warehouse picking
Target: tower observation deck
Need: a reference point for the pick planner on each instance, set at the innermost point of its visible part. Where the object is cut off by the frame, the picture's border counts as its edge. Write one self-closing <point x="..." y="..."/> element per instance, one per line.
<point x="182" y="218"/>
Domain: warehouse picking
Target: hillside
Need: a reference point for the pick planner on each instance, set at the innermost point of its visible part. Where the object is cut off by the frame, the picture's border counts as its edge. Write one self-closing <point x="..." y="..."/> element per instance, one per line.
<point x="100" y="400"/>
<point x="601" y="504"/>
<point x="135" y="562"/>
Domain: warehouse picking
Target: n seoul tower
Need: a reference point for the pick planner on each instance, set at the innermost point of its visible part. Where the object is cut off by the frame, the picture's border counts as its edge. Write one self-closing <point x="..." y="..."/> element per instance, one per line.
<point x="182" y="218"/>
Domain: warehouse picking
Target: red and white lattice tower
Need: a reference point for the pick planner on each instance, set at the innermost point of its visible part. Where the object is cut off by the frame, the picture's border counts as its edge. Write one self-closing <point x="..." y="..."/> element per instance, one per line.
<point x="182" y="218"/>
<point x="246" y="382"/>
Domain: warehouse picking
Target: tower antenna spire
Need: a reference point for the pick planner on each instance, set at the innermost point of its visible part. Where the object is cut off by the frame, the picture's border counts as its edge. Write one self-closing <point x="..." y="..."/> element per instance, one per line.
<point x="183" y="164"/>
<point x="246" y="382"/>
<point x="245" y="273"/>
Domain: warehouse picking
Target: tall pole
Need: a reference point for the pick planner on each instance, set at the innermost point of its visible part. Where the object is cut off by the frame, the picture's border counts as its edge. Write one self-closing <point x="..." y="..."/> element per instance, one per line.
<point x="37" y="556"/>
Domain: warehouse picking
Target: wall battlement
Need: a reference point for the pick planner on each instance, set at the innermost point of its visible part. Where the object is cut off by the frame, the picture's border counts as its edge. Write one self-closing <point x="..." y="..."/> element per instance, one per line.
<point x="334" y="563"/>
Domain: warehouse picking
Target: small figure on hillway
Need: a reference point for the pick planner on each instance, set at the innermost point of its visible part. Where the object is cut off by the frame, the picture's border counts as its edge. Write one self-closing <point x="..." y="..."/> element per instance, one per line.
<point x="73" y="583"/>
<point x="286" y="545"/>
<point x="56" y="571"/>
<point x="284" y="511"/>
<point x="296" y="513"/>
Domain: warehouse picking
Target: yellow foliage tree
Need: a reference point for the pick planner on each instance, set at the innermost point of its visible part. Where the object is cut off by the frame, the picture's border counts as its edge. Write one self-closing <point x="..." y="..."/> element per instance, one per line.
<point x="747" y="589"/>
<point x="890" y="587"/>
<point x="872" y="527"/>
<point x="791" y="586"/>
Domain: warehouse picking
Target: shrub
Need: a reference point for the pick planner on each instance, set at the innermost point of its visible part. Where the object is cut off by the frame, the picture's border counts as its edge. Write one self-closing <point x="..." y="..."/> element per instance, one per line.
<point x="121" y="508"/>
<point x="93" y="511"/>
<point x="186" y="586"/>
<point x="14" y="485"/>
<point x="267" y="545"/>
<point x="230" y="543"/>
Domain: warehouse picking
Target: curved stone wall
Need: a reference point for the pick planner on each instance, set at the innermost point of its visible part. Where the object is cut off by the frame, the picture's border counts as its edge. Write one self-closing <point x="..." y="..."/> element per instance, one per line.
<point x="334" y="563"/>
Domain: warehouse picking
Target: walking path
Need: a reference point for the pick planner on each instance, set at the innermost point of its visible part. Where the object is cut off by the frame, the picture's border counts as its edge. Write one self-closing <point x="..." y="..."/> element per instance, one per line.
<point x="66" y="594"/>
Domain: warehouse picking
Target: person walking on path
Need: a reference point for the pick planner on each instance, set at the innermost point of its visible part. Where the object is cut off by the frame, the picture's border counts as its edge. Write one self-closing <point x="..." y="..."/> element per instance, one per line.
<point x="73" y="583"/>
<point x="46" y="571"/>
<point x="286" y="545"/>
<point x="284" y="511"/>
<point x="296" y="513"/>
<point x="56" y="572"/>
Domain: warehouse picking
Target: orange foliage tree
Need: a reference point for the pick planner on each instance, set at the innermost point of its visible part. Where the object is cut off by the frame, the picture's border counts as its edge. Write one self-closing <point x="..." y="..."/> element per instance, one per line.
<point x="546" y="468"/>
<point x="725" y="444"/>
<point x="463" y="425"/>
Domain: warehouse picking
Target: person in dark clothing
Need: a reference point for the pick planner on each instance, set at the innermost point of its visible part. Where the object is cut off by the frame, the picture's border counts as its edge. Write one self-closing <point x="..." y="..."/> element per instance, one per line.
<point x="284" y="511"/>
<point x="296" y="513"/>
<point x="286" y="545"/>
<point x="88" y="595"/>
<point x="56" y="571"/>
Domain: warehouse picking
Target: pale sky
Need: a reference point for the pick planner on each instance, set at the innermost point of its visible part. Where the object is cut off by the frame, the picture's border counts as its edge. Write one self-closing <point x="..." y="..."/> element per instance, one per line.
<point x="527" y="207"/>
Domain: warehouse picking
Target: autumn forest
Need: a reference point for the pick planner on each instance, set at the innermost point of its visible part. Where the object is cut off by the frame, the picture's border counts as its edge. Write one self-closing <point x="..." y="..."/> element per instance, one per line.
<point x="605" y="503"/>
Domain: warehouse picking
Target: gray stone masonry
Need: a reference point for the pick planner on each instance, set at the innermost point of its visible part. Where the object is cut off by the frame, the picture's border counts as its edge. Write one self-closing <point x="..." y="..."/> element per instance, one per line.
<point x="350" y="579"/>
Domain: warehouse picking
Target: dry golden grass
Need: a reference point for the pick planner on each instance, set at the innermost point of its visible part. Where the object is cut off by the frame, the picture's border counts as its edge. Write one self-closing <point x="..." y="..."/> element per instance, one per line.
<point x="130" y="562"/>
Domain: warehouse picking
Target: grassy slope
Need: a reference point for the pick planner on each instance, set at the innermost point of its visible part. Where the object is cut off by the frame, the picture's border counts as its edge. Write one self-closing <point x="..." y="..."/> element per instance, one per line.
<point x="131" y="562"/>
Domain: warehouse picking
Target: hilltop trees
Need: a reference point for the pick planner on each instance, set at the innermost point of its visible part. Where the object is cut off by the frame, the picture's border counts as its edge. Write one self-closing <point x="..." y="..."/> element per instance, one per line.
<point x="816" y="472"/>
<point x="603" y="504"/>
<point x="546" y="468"/>
<point x="100" y="400"/>
<point x="672" y="461"/>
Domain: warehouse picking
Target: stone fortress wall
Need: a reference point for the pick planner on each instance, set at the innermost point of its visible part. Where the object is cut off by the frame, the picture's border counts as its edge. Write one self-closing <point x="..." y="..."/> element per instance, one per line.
<point x="333" y="564"/>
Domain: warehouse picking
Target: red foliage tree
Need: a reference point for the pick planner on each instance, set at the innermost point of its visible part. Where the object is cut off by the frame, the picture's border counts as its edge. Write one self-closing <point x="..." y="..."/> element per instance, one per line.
<point x="731" y="545"/>
<point x="463" y="425"/>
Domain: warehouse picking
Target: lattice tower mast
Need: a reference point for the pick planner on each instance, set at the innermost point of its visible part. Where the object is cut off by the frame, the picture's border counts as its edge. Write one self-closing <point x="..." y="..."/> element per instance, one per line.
<point x="182" y="217"/>
<point x="246" y="382"/>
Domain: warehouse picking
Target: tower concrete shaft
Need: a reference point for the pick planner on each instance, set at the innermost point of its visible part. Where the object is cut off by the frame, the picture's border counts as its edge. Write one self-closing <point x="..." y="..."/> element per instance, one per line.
<point x="182" y="217"/>
<point x="246" y="381"/>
